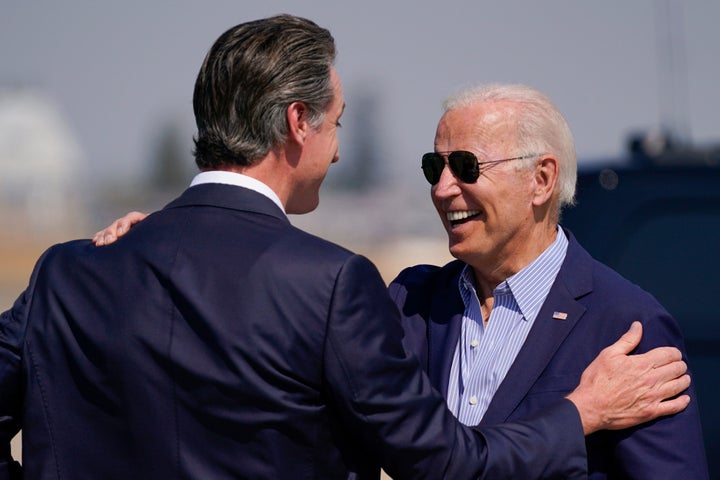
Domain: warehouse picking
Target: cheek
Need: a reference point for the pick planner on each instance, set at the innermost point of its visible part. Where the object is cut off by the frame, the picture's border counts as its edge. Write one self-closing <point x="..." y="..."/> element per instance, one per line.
<point x="439" y="210"/>
<point x="435" y="201"/>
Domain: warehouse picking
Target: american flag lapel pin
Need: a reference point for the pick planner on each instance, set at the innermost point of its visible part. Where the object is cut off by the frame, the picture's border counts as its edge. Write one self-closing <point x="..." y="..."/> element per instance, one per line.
<point x="560" y="315"/>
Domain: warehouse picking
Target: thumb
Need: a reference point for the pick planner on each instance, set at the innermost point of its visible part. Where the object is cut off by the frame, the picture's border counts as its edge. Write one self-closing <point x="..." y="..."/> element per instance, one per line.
<point x="630" y="339"/>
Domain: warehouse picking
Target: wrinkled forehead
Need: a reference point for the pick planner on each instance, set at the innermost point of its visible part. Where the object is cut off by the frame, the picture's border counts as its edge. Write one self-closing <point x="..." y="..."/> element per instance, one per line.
<point x="484" y="128"/>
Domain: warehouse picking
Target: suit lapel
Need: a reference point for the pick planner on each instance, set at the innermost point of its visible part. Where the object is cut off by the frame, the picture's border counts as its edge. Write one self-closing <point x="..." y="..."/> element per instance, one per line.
<point x="547" y="334"/>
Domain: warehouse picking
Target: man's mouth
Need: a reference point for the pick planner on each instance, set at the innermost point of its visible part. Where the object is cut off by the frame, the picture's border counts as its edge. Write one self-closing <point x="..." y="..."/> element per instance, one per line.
<point x="458" y="217"/>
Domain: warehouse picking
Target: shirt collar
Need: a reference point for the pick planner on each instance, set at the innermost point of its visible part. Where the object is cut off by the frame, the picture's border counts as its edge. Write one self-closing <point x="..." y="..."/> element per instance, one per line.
<point x="237" y="179"/>
<point x="531" y="285"/>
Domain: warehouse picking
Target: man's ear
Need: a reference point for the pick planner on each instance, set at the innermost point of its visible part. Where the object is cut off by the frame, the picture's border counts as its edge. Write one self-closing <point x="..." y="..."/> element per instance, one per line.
<point x="547" y="170"/>
<point x="298" y="126"/>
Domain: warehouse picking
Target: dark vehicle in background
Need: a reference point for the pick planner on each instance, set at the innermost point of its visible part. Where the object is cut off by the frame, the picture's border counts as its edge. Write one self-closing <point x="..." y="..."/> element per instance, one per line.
<point x="656" y="220"/>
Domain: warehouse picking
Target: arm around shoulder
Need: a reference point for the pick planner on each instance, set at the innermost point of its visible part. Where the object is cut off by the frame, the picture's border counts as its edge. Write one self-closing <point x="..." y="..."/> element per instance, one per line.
<point x="387" y="399"/>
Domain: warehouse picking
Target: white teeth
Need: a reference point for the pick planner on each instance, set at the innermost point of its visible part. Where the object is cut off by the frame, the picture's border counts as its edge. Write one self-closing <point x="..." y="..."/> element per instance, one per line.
<point x="455" y="216"/>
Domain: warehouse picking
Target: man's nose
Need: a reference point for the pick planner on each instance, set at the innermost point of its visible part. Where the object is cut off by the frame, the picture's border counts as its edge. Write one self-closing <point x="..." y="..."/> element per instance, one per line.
<point x="447" y="186"/>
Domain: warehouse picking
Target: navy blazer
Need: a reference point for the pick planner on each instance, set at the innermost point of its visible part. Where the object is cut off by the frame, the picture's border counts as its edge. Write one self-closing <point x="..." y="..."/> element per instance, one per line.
<point x="217" y="341"/>
<point x="600" y="306"/>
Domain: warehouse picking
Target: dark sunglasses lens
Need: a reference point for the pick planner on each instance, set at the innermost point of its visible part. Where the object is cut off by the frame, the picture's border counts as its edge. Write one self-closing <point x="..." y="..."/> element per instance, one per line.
<point x="432" y="166"/>
<point x="464" y="165"/>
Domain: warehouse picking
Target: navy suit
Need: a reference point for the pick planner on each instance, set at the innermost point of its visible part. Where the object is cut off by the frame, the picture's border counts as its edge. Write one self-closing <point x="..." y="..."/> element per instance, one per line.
<point x="600" y="306"/>
<point x="217" y="341"/>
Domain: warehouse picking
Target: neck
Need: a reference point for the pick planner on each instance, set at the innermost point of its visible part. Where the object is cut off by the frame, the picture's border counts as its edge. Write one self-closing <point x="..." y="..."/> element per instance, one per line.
<point x="268" y="170"/>
<point x="509" y="259"/>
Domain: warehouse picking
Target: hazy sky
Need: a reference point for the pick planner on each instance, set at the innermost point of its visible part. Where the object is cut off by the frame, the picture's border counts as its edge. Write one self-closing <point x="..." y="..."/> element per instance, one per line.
<point x="120" y="71"/>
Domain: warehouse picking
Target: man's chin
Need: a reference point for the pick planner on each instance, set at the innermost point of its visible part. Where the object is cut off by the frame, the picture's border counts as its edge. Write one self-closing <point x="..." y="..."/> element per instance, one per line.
<point x="455" y="251"/>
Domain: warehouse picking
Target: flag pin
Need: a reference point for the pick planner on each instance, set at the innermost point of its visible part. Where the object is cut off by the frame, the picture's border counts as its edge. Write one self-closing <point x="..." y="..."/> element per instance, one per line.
<point x="560" y="315"/>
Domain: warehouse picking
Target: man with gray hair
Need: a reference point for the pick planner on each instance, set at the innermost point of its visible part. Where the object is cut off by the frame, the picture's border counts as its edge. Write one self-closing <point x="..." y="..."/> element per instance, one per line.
<point x="508" y="327"/>
<point x="215" y="340"/>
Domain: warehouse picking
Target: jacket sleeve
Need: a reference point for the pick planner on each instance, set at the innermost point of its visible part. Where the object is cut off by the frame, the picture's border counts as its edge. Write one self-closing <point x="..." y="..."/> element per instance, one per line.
<point x="383" y="395"/>
<point x="668" y="447"/>
<point x="11" y="337"/>
<point x="13" y="324"/>
<point x="413" y="310"/>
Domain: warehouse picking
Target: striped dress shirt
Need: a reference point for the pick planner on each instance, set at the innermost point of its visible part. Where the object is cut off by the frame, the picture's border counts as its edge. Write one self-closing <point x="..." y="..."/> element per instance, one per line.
<point x="483" y="355"/>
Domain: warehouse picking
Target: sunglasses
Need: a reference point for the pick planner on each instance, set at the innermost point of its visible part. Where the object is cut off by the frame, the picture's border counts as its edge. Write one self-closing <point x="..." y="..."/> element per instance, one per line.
<point x="464" y="165"/>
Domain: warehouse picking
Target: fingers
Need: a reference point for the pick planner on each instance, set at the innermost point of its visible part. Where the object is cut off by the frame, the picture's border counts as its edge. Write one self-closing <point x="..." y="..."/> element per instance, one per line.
<point x="671" y="407"/>
<point x="131" y="219"/>
<point x="659" y="357"/>
<point x="99" y="239"/>
<point x="670" y="370"/>
<point x="618" y="390"/>
<point x="673" y="388"/>
<point x="628" y="341"/>
<point x="658" y="393"/>
<point x="107" y="235"/>
<point x="117" y="229"/>
<point x="669" y="380"/>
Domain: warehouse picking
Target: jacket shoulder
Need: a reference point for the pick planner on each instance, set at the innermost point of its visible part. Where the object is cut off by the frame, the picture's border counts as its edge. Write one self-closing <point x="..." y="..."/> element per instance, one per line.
<point x="427" y="276"/>
<point x="414" y="287"/>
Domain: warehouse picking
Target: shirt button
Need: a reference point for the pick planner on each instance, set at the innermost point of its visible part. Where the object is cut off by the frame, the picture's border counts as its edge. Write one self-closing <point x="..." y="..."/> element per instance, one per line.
<point x="473" y="400"/>
<point x="474" y="343"/>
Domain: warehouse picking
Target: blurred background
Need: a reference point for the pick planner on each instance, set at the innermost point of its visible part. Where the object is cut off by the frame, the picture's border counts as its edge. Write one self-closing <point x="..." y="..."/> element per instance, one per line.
<point x="96" y="103"/>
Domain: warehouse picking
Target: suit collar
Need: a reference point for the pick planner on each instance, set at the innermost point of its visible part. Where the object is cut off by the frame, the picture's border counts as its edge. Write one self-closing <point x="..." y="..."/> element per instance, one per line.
<point x="238" y="179"/>
<point x="573" y="281"/>
<point x="228" y="196"/>
<point x="547" y="334"/>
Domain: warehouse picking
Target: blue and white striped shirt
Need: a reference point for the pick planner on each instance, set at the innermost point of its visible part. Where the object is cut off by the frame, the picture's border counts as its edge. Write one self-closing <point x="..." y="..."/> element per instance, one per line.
<point x="483" y="355"/>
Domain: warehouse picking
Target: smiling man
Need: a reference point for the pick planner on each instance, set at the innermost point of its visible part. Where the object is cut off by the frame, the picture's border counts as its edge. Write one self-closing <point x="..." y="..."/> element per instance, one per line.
<point x="217" y="341"/>
<point x="508" y="327"/>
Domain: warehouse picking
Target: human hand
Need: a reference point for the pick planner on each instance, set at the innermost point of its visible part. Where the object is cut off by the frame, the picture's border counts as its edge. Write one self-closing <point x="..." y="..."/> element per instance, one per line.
<point x="117" y="229"/>
<point x="618" y="390"/>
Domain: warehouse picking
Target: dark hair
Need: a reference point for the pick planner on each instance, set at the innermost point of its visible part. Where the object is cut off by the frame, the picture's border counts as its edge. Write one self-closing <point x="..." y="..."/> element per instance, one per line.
<point x="252" y="73"/>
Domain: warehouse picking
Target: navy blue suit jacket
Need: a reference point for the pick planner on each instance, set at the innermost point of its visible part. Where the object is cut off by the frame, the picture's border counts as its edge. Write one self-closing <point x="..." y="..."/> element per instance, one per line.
<point x="600" y="306"/>
<point x="217" y="341"/>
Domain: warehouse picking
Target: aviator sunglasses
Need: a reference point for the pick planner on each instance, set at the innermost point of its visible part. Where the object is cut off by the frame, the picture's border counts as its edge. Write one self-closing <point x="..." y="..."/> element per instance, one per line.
<point x="464" y="165"/>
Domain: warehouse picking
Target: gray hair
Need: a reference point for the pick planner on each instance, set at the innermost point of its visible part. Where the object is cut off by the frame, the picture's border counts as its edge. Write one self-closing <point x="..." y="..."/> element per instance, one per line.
<point x="250" y="76"/>
<point x="541" y="128"/>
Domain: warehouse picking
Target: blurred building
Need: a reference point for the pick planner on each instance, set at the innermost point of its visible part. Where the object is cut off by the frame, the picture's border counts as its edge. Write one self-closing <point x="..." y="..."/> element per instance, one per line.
<point x="39" y="165"/>
<point x="39" y="161"/>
